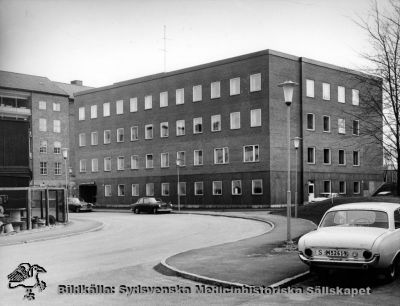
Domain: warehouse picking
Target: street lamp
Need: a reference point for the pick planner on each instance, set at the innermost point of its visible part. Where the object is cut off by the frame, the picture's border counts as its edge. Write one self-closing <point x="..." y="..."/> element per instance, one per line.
<point x="288" y="87"/>
<point x="296" y="144"/>
<point x="65" y="156"/>
<point x="178" y="164"/>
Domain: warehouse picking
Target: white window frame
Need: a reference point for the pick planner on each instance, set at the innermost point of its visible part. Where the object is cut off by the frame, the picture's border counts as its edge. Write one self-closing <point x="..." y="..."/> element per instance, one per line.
<point x="121" y="190"/>
<point x="42" y="124"/>
<point x="43" y="146"/>
<point x="225" y="156"/>
<point x="119" y="107"/>
<point x="43" y="168"/>
<point x="134" y="161"/>
<point x="330" y="186"/>
<point x="329" y="124"/>
<point x="358" y="159"/>
<point x="94" y="138"/>
<point x="253" y="182"/>
<point x="56" y="106"/>
<point x="120" y="163"/>
<point x="329" y="155"/>
<point x="107" y="164"/>
<point x="107" y="191"/>
<point x="82" y="139"/>
<point x="234" y="86"/>
<point x="196" y="158"/>
<point x="57" y="126"/>
<point x="255" y="117"/>
<point x="214" y="189"/>
<point x="198" y="122"/>
<point x="57" y="168"/>
<point x="345" y="187"/>
<point x="164" y="188"/>
<point x="181" y="157"/>
<point x="93" y="111"/>
<point x="162" y="134"/>
<point x="197" y="93"/>
<point x="135" y="127"/>
<point x="147" y="129"/>
<point x="180" y="96"/>
<point x="57" y="147"/>
<point x="358" y="128"/>
<point x="196" y="188"/>
<point x="164" y="160"/>
<point x="81" y="113"/>
<point x="180" y="128"/>
<point x="42" y="105"/>
<point x="149" y="189"/>
<point x="326" y="91"/>
<point x="149" y="161"/>
<point x="255" y="82"/>
<point x="313" y="122"/>
<point x="232" y="116"/>
<point x="95" y="165"/>
<point x="341" y="126"/>
<point x="148" y="102"/>
<point x="163" y="99"/>
<point x="310" y="88"/>
<point x="82" y="166"/>
<point x="104" y="137"/>
<point x="255" y="153"/>
<point x="313" y="161"/>
<point x="120" y="134"/>
<point x="215" y="90"/>
<point x="133" y="105"/>
<point x="106" y="109"/>
<point x="341" y="94"/>
<point x="135" y="190"/>
<point x="216" y="118"/>
<point x="359" y="187"/>
<point x="355" y="97"/>
<point x="233" y="185"/>
<point x="344" y="157"/>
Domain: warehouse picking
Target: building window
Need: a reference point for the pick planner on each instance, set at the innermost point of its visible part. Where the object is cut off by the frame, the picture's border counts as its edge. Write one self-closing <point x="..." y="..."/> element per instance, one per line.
<point x="310" y="88"/>
<point x="356" y="158"/>
<point x="43" y="125"/>
<point x="197" y="93"/>
<point x="121" y="190"/>
<point x="217" y="187"/>
<point x="342" y="157"/>
<point x="43" y="168"/>
<point x="164" y="130"/>
<point x="255" y="82"/>
<point x="341" y="94"/>
<point x="197" y="125"/>
<point x="120" y="163"/>
<point x="150" y="189"/>
<point x="182" y="188"/>
<point x="57" y="168"/>
<point x="180" y="127"/>
<point x="255" y="117"/>
<point x="165" y="189"/>
<point x="341" y="126"/>
<point x="235" y="120"/>
<point x="94" y="139"/>
<point x="82" y="139"/>
<point x="215" y="123"/>
<point x="43" y="146"/>
<point x="106" y="109"/>
<point x="327" y="123"/>
<point x="256" y="187"/>
<point x="181" y="158"/>
<point x="356" y="127"/>
<point x="81" y="113"/>
<point x="148" y="102"/>
<point x="107" y="190"/>
<point x="82" y="165"/>
<point x="311" y="155"/>
<point x="56" y="107"/>
<point x="107" y="136"/>
<point x="198" y="188"/>
<point x="135" y="190"/>
<point x="134" y="162"/>
<point x="327" y="186"/>
<point x="93" y="111"/>
<point x="327" y="156"/>
<point x="133" y="105"/>
<point x="198" y="157"/>
<point x="164" y="99"/>
<point x="56" y="126"/>
<point x="149" y="161"/>
<point x="342" y="187"/>
<point x="180" y="96"/>
<point x="148" y="131"/>
<point x="234" y="86"/>
<point x="310" y="122"/>
<point x="355" y="97"/>
<point x="57" y="147"/>
<point x="164" y="160"/>
<point x="326" y="91"/>
<point x="356" y="187"/>
<point x="42" y="105"/>
<point x="134" y="133"/>
<point x="215" y="90"/>
<point x="251" y="153"/>
<point x="236" y="187"/>
<point x="107" y="163"/>
<point x="221" y="156"/>
<point x="95" y="165"/>
<point x="119" y="105"/>
<point x="120" y="135"/>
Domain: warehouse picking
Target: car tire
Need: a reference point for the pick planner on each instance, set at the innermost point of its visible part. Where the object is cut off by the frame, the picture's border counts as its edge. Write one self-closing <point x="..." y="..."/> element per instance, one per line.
<point x="392" y="272"/>
<point x="77" y="209"/>
<point x="154" y="210"/>
<point x="136" y="211"/>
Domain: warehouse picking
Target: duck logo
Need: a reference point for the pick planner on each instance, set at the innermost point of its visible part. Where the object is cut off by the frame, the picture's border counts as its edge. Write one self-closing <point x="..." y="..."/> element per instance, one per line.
<point x="27" y="276"/>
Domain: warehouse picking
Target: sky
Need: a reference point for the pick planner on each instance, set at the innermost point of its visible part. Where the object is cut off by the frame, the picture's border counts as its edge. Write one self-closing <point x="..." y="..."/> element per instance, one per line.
<point x="105" y="41"/>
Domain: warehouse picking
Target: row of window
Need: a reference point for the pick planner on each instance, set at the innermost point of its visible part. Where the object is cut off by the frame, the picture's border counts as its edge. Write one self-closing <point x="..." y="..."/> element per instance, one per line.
<point x="43" y="148"/>
<point x="197" y="94"/>
<point x="256" y="188"/>
<point x="327" y="186"/>
<point x="326" y="124"/>
<point x="43" y="166"/>
<point x="255" y="121"/>
<point x="43" y="125"/>
<point x="327" y="156"/>
<point x="221" y="156"/>
<point x="56" y="106"/>
<point x="326" y="92"/>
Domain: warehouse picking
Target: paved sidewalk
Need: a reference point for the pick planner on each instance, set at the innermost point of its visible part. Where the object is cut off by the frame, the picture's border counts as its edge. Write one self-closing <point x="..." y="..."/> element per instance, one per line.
<point x="75" y="227"/>
<point x="258" y="261"/>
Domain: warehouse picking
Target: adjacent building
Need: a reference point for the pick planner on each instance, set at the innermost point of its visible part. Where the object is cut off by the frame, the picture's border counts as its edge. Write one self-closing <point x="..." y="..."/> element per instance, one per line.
<point x="222" y="127"/>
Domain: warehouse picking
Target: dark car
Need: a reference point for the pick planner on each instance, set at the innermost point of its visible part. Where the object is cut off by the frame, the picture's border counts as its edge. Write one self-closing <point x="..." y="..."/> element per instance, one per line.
<point x="150" y="205"/>
<point x="77" y="205"/>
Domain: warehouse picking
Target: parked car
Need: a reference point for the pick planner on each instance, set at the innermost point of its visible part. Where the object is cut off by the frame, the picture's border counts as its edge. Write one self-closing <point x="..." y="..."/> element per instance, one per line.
<point x="362" y="235"/>
<point x="77" y="205"/>
<point x="151" y="205"/>
<point x="323" y="196"/>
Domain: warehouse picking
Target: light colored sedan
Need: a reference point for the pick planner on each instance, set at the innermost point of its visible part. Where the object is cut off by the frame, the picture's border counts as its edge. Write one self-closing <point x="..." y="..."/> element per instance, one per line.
<point x="355" y="236"/>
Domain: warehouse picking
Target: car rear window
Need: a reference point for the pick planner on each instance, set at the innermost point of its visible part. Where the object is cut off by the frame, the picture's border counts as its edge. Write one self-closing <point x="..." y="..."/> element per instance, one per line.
<point x="363" y="218"/>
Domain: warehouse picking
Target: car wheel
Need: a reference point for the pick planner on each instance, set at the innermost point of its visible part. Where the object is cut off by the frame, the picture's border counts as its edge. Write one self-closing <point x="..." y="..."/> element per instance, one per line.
<point x="77" y="209"/>
<point x="136" y="210"/>
<point x="154" y="210"/>
<point x="392" y="272"/>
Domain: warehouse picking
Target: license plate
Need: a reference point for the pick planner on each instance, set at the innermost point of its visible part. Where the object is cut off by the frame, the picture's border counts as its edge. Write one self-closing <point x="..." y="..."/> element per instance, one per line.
<point x="336" y="253"/>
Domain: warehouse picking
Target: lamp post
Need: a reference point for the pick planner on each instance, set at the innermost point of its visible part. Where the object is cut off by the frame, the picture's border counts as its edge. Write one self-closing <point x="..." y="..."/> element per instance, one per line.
<point x="288" y="87"/>
<point x="296" y="144"/>
<point x="65" y="156"/>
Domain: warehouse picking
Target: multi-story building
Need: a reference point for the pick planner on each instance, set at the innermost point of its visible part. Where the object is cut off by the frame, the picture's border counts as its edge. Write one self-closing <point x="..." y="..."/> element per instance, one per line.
<point x="45" y="106"/>
<point x="222" y="125"/>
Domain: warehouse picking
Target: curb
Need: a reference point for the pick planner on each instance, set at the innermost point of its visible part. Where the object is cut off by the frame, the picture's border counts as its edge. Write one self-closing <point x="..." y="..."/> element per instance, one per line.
<point x="222" y="283"/>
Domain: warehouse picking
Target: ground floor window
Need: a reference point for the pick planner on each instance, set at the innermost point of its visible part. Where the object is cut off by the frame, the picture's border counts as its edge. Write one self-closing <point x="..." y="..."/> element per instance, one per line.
<point x="356" y="187"/>
<point x="327" y="186"/>
<point x="217" y="188"/>
<point x="165" y="189"/>
<point x="135" y="190"/>
<point x="150" y="189"/>
<point x="121" y="190"/>
<point x="107" y="190"/>
<point x="236" y="187"/>
<point x="198" y="188"/>
<point x="257" y="187"/>
<point x="182" y="188"/>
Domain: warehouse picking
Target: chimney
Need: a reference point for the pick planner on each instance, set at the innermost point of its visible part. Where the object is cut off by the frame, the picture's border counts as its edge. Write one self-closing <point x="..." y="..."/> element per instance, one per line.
<point x="77" y="82"/>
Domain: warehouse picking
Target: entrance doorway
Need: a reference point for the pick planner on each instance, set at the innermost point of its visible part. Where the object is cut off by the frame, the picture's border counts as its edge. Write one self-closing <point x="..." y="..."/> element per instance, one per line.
<point x="88" y="193"/>
<point x="311" y="192"/>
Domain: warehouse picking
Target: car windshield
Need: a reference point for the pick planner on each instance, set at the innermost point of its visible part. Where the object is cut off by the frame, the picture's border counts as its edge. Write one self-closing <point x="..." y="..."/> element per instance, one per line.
<point x="366" y="218"/>
<point x="74" y="200"/>
<point x="152" y="200"/>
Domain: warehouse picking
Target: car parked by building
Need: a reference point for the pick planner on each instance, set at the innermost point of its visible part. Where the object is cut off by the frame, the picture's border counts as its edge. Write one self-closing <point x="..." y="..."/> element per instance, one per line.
<point x="150" y="205"/>
<point x="362" y="235"/>
<point x="324" y="196"/>
<point x="77" y="205"/>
